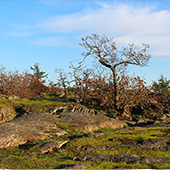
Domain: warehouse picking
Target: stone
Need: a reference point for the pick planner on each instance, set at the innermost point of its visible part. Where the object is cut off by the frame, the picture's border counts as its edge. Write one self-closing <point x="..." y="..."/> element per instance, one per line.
<point x="87" y="148"/>
<point x="49" y="147"/>
<point x="58" y="133"/>
<point x="127" y="158"/>
<point x="141" y="122"/>
<point x="154" y="143"/>
<point x="62" y="95"/>
<point x="27" y="127"/>
<point x="88" y="120"/>
<point x="12" y="97"/>
<point x="144" y="121"/>
<point x="95" y="135"/>
<point x="7" y="113"/>
<point x="34" y="126"/>
<point x="156" y="122"/>
<point x="153" y="160"/>
<point x="131" y="123"/>
<point x="74" y="166"/>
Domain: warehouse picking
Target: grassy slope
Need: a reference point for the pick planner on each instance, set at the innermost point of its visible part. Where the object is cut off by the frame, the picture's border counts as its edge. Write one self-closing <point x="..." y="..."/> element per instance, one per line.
<point x="21" y="158"/>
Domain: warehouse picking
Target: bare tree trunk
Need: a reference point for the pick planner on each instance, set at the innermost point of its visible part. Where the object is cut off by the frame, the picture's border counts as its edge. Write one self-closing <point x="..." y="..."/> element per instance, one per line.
<point x="113" y="69"/>
<point x="115" y="87"/>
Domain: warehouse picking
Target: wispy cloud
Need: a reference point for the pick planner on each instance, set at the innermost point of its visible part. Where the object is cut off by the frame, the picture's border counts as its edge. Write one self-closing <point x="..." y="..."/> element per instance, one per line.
<point x="127" y="23"/>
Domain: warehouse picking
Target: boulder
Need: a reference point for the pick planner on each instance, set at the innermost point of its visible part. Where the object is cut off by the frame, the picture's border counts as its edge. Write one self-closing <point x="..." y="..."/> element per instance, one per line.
<point x="7" y="113"/>
<point x="49" y="147"/>
<point x="88" y="120"/>
<point x="27" y="127"/>
<point x="74" y="166"/>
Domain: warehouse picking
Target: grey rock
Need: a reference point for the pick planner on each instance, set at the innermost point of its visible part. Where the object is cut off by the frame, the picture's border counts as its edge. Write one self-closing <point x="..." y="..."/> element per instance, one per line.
<point x="154" y="143"/>
<point x="27" y="127"/>
<point x="12" y="97"/>
<point x="75" y="166"/>
<point x="128" y="158"/>
<point x="34" y="126"/>
<point x="87" y="148"/>
<point x="95" y="135"/>
<point x="49" y="146"/>
<point x="7" y="113"/>
<point x="153" y="160"/>
<point x="90" y="121"/>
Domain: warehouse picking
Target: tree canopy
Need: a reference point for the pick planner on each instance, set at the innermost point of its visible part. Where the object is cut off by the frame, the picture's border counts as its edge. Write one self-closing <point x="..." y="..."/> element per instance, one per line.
<point x="40" y="74"/>
<point x="163" y="84"/>
<point x="104" y="51"/>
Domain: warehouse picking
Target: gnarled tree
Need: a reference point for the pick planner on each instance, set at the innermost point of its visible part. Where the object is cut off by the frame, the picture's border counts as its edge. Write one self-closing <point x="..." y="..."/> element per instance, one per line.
<point x="104" y="50"/>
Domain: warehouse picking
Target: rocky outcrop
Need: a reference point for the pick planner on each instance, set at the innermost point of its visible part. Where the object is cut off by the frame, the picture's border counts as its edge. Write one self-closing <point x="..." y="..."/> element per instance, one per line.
<point x="27" y="127"/>
<point x="154" y="144"/>
<point x="33" y="126"/>
<point x="126" y="158"/>
<point x="75" y="166"/>
<point x="85" y="119"/>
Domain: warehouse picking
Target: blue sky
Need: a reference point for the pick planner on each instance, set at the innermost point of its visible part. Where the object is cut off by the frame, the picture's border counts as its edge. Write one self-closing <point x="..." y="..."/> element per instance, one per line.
<point x="49" y="32"/>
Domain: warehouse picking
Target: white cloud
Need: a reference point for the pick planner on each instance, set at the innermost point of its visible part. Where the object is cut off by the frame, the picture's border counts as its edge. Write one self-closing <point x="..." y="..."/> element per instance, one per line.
<point x="127" y="23"/>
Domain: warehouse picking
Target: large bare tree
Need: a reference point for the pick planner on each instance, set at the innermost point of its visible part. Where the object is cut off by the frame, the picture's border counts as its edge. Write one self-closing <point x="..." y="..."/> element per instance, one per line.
<point x="104" y="50"/>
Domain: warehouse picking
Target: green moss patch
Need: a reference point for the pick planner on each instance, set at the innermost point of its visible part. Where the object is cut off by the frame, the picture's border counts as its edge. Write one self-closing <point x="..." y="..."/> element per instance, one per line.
<point x="20" y="157"/>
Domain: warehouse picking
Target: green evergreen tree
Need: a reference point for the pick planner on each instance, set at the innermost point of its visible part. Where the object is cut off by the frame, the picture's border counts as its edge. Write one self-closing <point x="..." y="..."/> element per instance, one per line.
<point x="36" y="70"/>
<point x="163" y="85"/>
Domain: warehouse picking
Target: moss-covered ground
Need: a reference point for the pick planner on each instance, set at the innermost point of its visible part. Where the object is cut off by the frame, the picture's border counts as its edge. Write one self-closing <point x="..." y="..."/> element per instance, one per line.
<point x="46" y="103"/>
<point x="21" y="157"/>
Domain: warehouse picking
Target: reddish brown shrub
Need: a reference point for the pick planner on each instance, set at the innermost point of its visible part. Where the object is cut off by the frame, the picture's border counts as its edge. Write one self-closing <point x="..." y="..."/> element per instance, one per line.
<point x="23" y="84"/>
